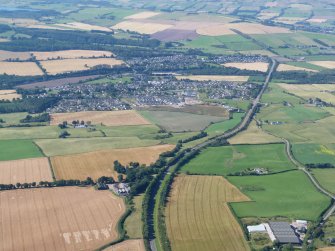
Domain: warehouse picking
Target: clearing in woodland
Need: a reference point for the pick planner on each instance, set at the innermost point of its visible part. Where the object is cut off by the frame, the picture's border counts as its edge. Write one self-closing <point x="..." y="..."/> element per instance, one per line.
<point x="66" y="218"/>
<point x="25" y="171"/>
<point x="107" y="118"/>
<point x="101" y="163"/>
<point x="199" y="218"/>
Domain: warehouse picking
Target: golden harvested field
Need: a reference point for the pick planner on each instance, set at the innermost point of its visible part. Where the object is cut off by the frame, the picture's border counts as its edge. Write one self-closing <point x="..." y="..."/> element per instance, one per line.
<point x="326" y="64"/>
<point x="19" y="21"/>
<point x="326" y="249"/>
<point x="107" y="118"/>
<point x="83" y="26"/>
<point x="287" y="67"/>
<point x="253" y="135"/>
<point x="321" y="91"/>
<point x="20" y="68"/>
<point x="141" y="27"/>
<point x="71" y="54"/>
<point x="214" y="78"/>
<point x="6" y="55"/>
<point x="9" y="95"/>
<point x="257" y="66"/>
<point x="100" y="163"/>
<point x="143" y="15"/>
<point x="198" y="217"/>
<point x="66" y="218"/>
<point x="289" y="20"/>
<point x="25" y="171"/>
<point x="128" y="245"/>
<point x="219" y="30"/>
<point x="54" y="67"/>
<point x="317" y="20"/>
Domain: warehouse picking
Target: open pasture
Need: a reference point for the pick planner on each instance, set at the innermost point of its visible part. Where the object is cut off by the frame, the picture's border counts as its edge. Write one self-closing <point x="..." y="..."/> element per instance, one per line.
<point x="107" y="118"/>
<point x="314" y="153"/>
<point x="31" y="132"/>
<point x="214" y="78"/>
<point x="287" y="67"/>
<point x="100" y="163"/>
<point x="325" y="177"/>
<point x="198" y="217"/>
<point x="55" y="147"/>
<point x="128" y="245"/>
<point x="11" y="55"/>
<point x="325" y="64"/>
<point x="67" y="218"/>
<point x="256" y="66"/>
<point x="174" y="35"/>
<point x="59" y="66"/>
<point x="9" y="95"/>
<point x="180" y="121"/>
<point x="142" y="15"/>
<point x="25" y="171"/>
<point x="274" y="94"/>
<point x="289" y="194"/>
<point x="142" y="27"/>
<point x="68" y="54"/>
<point x="253" y="135"/>
<point x="18" y="149"/>
<point x="141" y="131"/>
<point x="83" y="26"/>
<point x="236" y="158"/>
<point x="20" y="68"/>
<point x="321" y="91"/>
<point x="221" y="127"/>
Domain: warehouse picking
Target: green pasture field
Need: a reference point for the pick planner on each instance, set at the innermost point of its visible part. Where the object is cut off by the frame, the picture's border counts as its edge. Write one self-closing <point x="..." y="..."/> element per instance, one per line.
<point x="141" y="131"/>
<point x="325" y="177"/>
<point x="54" y="147"/>
<point x="179" y="121"/>
<point x="320" y="58"/>
<point x="133" y="223"/>
<point x="292" y="114"/>
<point x="230" y="159"/>
<point x="18" y="149"/>
<point x="289" y="194"/>
<point x="12" y="118"/>
<point x="36" y="132"/>
<point x="314" y="153"/>
<point x="275" y="94"/>
<point x="221" y="127"/>
<point x="307" y="65"/>
<point x="287" y="52"/>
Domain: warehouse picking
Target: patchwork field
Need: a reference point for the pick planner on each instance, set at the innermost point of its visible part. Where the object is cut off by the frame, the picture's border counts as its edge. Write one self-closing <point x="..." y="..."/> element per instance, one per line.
<point x="18" y="149"/>
<point x="325" y="177"/>
<point x="55" y="147"/>
<point x="10" y="55"/>
<point x="257" y="66"/>
<point x="54" y="67"/>
<point x="83" y="26"/>
<point x="108" y="118"/>
<point x="100" y="163"/>
<point x="236" y="158"/>
<point x="214" y="78"/>
<point x="68" y="54"/>
<point x="25" y="171"/>
<point x="287" y="67"/>
<point x="289" y="194"/>
<point x="141" y="27"/>
<point x="143" y="15"/>
<point x="128" y="245"/>
<point x="198" y="217"/>
<point x="81" y="218"/>
<point x="321" y="91"/>
<point x="314" y="153"/>
<point x="32" y="132"/>
<point x="174" y="35"/>
<point x="9" y="95"/>
<point x="221" y="127"/>
<point x="20" y="68"/>
<point x="325" y="64"/>
<point x="253" y="135"/>
<point x="180" y="121"/>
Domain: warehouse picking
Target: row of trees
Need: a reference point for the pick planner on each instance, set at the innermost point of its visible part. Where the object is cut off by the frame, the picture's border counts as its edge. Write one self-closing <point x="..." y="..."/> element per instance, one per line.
<point x="30" y="105"/>
<point x="44" y="117"/>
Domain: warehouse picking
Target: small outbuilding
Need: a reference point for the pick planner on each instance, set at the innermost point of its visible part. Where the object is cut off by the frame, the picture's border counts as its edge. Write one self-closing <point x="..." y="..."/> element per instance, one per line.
<point x="256" y="228"/>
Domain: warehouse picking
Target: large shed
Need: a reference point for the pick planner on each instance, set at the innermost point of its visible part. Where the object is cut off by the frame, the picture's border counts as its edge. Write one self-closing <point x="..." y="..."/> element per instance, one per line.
<point x="284" y="232"/>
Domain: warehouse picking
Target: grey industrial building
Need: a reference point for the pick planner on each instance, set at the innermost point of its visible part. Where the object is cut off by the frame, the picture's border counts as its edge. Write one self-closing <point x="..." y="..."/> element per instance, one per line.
<point x="284" y="232"/>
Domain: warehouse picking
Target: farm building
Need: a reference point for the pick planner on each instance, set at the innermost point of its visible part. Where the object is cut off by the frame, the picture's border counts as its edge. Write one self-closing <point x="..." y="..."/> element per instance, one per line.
<point x="121" y="189"/>
<point x="256" y="228"/>
<point x="284" y="232"/>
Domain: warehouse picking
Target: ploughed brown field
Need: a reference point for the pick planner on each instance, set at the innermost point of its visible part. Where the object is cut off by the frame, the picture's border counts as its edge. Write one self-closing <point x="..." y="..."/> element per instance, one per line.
<point x="25" y="171"/>
<point x="109" y="118"/>
<point x="128" y="245"/>
<point x="101" y="163"/>
<point x="53" y="219"/>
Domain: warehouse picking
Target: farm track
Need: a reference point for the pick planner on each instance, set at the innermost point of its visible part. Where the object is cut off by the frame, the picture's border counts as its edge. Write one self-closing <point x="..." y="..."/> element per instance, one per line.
<point x="243" y="124"/>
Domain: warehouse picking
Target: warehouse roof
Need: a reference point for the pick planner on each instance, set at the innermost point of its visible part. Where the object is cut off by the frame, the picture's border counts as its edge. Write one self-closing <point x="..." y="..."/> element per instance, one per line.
<point x="284" y="232"/>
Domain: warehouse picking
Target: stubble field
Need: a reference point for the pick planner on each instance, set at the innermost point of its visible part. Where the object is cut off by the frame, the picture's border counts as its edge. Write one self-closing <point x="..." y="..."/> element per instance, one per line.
<point x="214" y="78"/>
<point x="256" y="66"/>
<point x="9" y="95"/>
<point x="71" y="54"/>
<point x="69" y="218"/>
<point x="20" y="68"/>
<point x="128" y="245"/>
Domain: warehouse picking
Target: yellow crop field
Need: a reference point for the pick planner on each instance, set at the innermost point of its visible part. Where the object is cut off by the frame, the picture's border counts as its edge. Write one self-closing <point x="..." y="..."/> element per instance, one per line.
<point x="71" y="54"/>
<point x="143" y="15"/>
<point x="214" y="78"/>
<point x="108" y="118"/>
<point x="198" y="217"/>
<point x="63" y="218"/>
<point x="253" y="135"/>
<point x="287" y="67"/>
<point x="219" y="30"/>
<point x="10" y="55"/>
<point x="20" y="68"/>
<point x="25" y="171"/>
<point x="54" y="67"/>
<point x="256" y="66"/>
<point x="141" y="27"/>
<point x="326" y="64"/>
<point x="128" y="245"/>
<point x="83" y="26"/>
<point x="100" y="163"/>
<point x="306" y="91"/>
<point x="9" y="95"/>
